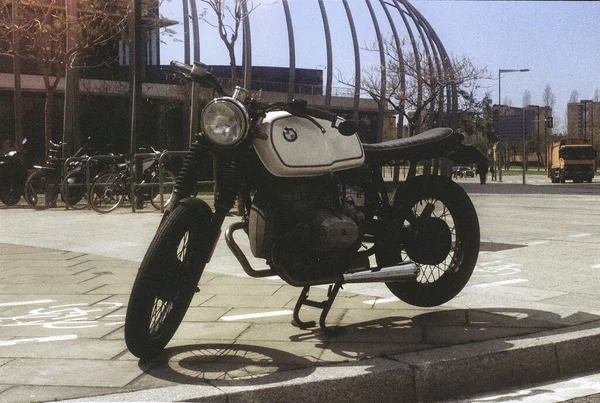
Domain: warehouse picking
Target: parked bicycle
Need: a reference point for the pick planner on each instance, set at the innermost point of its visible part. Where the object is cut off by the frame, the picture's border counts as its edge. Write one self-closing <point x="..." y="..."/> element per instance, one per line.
<point x="110" y="189"/>
<point x="74" y="187"/>
<point x="42" y="186"/>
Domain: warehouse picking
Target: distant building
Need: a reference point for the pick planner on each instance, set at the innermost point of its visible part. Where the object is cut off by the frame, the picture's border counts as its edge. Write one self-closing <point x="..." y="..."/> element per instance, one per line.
<point x="583" y="120"/>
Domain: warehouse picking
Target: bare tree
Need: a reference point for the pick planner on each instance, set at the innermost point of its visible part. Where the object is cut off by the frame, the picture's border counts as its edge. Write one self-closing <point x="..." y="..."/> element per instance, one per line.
<point x="548" y="98"/>
<point x="527" y="98"/>
<point x="574" y="97"/>
<point x="42" y="27"/>
<point x="424" y="83"/>
<point x="229" y="16"/>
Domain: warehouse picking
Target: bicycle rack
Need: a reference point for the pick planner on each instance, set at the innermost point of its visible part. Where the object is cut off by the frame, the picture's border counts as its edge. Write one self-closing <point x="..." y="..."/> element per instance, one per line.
<point x="161" y="168"/>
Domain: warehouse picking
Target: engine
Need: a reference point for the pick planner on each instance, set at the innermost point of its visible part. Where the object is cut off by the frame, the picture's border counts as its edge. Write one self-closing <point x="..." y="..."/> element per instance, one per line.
<point x="306" y="228"/>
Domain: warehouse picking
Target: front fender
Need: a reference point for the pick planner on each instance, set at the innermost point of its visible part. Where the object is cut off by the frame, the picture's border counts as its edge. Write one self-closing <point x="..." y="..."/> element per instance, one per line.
<point x="200" y="208"/>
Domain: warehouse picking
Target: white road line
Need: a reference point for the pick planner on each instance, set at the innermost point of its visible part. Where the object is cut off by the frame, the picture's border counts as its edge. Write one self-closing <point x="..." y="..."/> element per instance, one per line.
<point x="505" y="282"/>
<point x="380" y="301"/>
<point x="256" y="315"/>
<point x="19" y="303"/>
<point x="533" y="243"/>
<point x="579" y="235"/>
<point x="37" y="340"/>
<point x="595" y="266"/>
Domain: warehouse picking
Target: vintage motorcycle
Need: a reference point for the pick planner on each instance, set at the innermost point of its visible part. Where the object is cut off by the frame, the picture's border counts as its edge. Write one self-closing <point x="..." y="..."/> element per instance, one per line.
<point x="319" y="213"/>
<point x="13" y="174"/>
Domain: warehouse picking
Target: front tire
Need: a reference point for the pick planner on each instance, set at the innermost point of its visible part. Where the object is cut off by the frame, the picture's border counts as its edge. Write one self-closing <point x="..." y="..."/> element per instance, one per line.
<point x="41" y="190"/>
<point x="442" y="238"/>
<point x="166" y="281"/>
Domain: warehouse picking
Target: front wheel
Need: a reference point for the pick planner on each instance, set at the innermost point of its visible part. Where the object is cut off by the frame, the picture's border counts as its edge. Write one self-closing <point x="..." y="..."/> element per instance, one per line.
<point x="440" y="233"/>
<point x="41" y="190"/>
<point x="166" y="280"/>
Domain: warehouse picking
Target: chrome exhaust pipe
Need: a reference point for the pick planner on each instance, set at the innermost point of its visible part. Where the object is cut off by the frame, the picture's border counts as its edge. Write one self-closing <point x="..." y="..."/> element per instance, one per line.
<point x="402" y="272"/>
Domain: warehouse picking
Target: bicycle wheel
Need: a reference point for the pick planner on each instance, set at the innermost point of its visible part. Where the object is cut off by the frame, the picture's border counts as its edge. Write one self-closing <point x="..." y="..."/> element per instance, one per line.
<point x="169" y="185"/>
<point x="166" y="281"/>
<point x="73" y="191"/>
<point x="107" y="192"/>
<point x="41" y="190"/>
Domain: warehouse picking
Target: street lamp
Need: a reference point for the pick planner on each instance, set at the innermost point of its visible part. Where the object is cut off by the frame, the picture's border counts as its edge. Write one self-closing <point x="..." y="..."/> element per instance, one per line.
<point x="499" y="151"/>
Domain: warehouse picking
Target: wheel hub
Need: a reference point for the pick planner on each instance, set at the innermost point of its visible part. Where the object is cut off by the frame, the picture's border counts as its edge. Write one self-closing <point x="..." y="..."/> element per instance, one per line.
<point x="429" y="241"/>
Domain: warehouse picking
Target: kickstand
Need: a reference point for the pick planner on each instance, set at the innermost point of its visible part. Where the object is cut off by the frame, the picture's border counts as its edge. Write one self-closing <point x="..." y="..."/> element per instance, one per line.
<point x="325" y="306"/>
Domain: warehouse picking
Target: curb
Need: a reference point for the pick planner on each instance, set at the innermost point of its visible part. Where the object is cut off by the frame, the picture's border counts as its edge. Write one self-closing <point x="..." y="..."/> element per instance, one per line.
<point x="437" y="374"/>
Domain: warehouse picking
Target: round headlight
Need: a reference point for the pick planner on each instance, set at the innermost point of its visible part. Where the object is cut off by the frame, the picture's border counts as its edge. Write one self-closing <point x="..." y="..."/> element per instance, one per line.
<point x="224" y="122"/>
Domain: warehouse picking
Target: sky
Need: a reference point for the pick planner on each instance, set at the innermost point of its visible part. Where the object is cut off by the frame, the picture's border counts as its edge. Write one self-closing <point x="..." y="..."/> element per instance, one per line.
<point x="556" y="40"/>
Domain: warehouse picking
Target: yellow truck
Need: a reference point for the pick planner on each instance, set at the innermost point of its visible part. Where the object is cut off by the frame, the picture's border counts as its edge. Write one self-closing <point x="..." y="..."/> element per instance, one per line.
<point x="571" y="159"/>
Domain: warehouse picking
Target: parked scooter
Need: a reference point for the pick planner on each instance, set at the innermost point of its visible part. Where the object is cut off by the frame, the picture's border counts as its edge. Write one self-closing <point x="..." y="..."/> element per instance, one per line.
<point x="318" y="211"/>
<point x="13" y="174"/>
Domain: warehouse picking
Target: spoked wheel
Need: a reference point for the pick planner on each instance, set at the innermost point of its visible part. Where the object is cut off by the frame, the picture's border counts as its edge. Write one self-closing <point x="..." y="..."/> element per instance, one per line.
<point x="74" y="190"/>
<point x="168" y="180"/>
<point x="107" y="192"/>
<point x="41" y="190"/>
<point x="440" y="233"/>
<point x="166" y="281"/>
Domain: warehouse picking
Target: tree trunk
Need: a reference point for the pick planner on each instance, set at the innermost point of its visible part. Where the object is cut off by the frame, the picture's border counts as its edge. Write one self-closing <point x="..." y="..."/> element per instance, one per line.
<point x="233" y="65"/>
<point x="48" y="112"/>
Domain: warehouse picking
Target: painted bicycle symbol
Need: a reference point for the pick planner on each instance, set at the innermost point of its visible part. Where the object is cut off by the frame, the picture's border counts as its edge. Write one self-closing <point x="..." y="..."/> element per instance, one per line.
<point x="68" y="316"/>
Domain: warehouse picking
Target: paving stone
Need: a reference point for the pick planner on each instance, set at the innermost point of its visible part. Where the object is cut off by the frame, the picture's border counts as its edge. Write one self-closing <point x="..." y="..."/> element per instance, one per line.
<point x="253" y="301"/>
<point x="61" y="372"/>
<point x="30" y="393"/>
<point x="210" y="330"/>
<point x="79" y="348"/>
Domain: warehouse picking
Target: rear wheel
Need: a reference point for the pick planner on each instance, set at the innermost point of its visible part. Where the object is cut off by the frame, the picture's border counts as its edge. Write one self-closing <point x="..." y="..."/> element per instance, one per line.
<point x="166" y="281"/>
<point x="74" y="190"/>
<point x="41" y="190"/>
<point x="440" y="233"/>
<point x="107" y="192"/>
<point x="11" y="194"/>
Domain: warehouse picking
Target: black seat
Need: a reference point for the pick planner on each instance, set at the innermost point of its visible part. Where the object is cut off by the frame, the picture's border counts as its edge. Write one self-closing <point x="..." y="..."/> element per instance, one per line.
<point x="429" y="144"/>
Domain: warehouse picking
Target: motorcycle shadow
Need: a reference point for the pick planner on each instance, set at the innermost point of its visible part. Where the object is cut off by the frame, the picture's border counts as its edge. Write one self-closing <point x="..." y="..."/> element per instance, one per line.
<point x="418" y="330"/>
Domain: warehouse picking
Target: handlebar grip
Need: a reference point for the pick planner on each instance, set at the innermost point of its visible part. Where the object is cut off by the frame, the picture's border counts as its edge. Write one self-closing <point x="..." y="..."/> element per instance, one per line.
<point x="181" y="67"/>
<point x="321" y="114"/>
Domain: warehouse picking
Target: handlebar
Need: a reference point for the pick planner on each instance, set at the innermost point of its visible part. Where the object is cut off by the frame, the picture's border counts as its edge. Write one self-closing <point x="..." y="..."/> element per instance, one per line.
<point x="199" y="73"/>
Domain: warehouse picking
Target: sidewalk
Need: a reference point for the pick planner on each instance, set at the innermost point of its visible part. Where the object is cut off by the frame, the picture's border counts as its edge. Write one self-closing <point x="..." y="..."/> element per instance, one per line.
<point x="61" y="337"/>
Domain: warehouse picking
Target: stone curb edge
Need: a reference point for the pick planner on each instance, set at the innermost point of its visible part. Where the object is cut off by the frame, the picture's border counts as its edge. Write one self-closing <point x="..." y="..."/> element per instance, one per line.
<point x="430" y="375"/>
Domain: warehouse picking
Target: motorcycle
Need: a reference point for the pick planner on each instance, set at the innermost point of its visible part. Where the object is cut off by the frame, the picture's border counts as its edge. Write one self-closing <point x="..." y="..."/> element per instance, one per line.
<point x="13" y="174"/>
<point x="317" y="210"/>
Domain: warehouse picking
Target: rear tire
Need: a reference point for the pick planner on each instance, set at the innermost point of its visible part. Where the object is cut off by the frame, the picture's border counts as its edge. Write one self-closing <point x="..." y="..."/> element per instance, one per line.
<point x="11" y="194"/>
<point x="453" y="226"/>
<point x="74" y="190"/>
<point x="107" y="192"/>
<point x="166" y="281"/>
<point x="41" y="190"/>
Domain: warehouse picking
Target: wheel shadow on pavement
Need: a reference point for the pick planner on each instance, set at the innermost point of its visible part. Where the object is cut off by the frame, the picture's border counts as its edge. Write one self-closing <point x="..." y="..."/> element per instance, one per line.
<point x="254" y="362"/>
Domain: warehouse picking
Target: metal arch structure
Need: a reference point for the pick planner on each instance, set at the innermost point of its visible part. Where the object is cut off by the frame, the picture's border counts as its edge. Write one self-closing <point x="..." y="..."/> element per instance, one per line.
<point x="402" y="22"/>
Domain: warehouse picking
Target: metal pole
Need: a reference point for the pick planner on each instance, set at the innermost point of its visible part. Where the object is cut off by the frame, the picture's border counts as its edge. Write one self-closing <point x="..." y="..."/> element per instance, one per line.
<point x="524" y="162"/>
